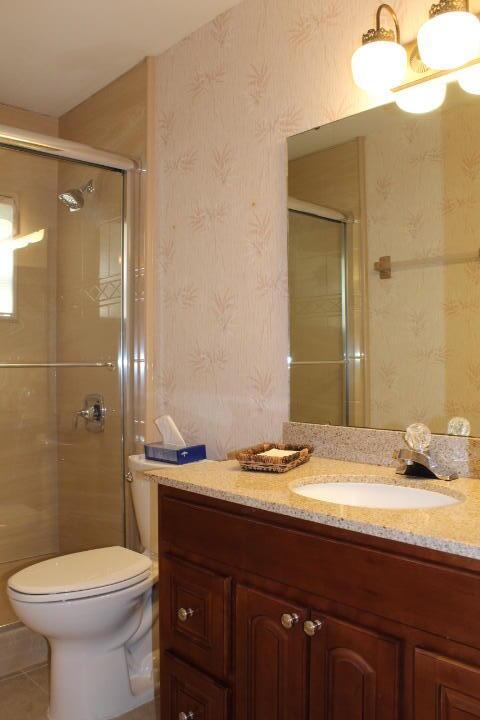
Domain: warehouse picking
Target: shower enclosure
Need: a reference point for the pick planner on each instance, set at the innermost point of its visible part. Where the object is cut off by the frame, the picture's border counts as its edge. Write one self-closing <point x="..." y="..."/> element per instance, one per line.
<point x="64" y="349"/>
<point x="317" y="261"/>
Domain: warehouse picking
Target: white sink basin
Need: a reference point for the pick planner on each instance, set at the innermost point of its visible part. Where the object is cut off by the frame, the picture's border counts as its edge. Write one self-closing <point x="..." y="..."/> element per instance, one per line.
<point x="372" y="494"/>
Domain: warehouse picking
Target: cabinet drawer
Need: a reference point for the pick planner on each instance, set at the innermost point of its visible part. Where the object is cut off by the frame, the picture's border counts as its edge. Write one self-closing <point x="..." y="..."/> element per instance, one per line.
<point x="187" y="693"/>
<point x="196" y="614"/>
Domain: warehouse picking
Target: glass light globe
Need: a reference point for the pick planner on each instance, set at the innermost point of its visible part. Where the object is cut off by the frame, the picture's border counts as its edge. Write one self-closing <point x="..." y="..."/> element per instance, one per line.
<point x="469" y="79"/>
<point x="379" y="65"/>
<point x="422" y="98"/>
<point x="449" y="40"/>
<point x="418" y="437"/>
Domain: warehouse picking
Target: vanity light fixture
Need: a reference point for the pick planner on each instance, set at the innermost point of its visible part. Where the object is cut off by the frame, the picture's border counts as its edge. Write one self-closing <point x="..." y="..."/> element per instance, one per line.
<point x="447" y="49"/>
<point x="423" y="98"/>
<point x="450" y="37"/>
<point x="381" y="62"/>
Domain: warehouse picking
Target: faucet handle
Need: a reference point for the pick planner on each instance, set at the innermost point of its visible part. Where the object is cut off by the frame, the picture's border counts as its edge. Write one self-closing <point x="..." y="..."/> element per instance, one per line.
<point x="418" y="437"/>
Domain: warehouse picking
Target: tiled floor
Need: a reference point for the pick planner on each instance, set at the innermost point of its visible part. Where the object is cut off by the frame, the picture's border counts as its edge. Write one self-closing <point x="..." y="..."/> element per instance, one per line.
<point x="25" y="697"/>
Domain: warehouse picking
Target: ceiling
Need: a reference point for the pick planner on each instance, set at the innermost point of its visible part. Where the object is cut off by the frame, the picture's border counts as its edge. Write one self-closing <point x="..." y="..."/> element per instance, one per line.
<point x="56" y="53"/>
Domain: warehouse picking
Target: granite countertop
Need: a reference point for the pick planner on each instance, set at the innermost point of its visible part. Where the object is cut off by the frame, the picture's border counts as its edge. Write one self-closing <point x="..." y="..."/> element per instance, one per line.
<point x="453" y="529"/>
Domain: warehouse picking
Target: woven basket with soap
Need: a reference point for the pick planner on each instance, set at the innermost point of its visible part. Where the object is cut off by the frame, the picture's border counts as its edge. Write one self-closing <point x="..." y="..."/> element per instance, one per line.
<point x="274" y="457"/>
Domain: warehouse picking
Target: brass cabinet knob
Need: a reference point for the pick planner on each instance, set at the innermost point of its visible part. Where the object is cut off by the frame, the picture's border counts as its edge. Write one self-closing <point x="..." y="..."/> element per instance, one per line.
<point x="311" y="627"/>
<point x="184" y="614"/>
<point x="186" y="716"/>
<point x="288" y="620"/>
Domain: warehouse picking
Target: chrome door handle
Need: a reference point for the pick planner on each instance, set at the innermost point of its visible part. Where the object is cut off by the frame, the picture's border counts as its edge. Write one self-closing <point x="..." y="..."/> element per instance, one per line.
<point x="311" y="627"/>
<point x="288" y="620"/>
<point x="184" y="614"/>
<point x="186" y="716"/>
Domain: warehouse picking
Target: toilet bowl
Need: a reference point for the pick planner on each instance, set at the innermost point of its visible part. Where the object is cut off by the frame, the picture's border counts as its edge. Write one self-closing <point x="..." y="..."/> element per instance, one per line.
<point x="96" y="610"/>
<point x="90" y="607"/>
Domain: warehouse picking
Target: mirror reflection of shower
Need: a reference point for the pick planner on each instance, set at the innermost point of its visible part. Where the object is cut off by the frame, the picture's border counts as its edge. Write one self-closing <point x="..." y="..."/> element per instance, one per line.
<point x="74" y="199"/>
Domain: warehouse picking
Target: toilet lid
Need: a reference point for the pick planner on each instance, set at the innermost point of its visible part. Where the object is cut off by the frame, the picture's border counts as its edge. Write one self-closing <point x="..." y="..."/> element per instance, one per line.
<point x="81" y="571"/>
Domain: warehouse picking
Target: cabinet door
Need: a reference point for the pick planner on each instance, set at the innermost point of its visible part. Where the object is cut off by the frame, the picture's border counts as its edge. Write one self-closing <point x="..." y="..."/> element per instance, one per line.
<point x="187" y="693"/>
<point x="354" y="673"/>
<point x="271" y="658"/>
<point x="445" y="689"/>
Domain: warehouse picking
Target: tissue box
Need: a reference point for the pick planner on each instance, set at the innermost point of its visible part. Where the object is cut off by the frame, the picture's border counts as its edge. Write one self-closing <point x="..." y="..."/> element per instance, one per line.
<point x="174" y="454"/>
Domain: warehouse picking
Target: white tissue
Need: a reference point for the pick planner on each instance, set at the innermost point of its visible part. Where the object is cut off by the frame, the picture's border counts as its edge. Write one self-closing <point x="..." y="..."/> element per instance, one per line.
<point x="169" y="431"/>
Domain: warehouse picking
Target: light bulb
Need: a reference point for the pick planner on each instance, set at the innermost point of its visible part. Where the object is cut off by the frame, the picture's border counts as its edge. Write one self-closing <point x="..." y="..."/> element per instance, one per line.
<point x="422" y="98"/>
<point x="469" y="79"/>
<point x="379" y="65"/>
<point x="450" y="38"/>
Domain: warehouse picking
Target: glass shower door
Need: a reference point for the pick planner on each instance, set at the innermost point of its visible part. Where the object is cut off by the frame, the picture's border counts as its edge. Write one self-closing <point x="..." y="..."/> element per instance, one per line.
<point x="318" y="319"/>
<point x="61" y="470"/>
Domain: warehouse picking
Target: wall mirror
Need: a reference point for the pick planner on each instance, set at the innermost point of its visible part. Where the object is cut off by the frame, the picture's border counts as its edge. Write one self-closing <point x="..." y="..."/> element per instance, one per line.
<point x="384" y="268"/>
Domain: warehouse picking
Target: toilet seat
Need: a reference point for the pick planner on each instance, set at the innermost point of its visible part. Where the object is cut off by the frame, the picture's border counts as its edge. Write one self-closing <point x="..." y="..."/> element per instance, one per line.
<point x="90" y="573"/>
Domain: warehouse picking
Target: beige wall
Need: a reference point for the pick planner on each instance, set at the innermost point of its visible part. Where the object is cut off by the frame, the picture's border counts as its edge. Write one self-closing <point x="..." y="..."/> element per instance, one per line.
<point x="90" y="479"/>
<point x="28" y="483"/>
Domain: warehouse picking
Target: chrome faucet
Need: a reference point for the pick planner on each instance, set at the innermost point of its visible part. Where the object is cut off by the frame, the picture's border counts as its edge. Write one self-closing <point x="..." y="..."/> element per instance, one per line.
<point x="416" y="461"/>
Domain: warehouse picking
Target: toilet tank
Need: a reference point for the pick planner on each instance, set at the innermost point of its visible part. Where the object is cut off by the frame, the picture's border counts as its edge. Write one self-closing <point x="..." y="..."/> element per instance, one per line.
<point x="144" y="496"/>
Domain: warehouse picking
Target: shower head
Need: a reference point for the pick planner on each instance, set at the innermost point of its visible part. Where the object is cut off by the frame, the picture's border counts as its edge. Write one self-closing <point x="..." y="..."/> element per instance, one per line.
<point x="74" y="199"/>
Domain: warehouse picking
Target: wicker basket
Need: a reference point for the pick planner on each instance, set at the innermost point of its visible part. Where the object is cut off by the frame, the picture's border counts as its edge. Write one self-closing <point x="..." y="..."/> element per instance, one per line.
<point x="250" y="459"/>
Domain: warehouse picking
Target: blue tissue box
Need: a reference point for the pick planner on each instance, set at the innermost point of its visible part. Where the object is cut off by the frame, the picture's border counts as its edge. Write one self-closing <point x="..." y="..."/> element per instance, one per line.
<point x="173" y="454"/>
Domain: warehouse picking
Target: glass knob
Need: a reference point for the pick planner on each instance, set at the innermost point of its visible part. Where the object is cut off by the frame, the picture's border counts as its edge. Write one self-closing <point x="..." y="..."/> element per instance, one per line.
<point x="459" y="426"/>
<point x="186" y="716"/>
<point x="289" y="620"/>
<point x="418" y="437"/>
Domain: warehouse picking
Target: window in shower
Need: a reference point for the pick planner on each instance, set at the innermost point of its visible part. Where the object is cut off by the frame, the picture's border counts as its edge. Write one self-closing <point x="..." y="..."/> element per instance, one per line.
<point x="8" y="223"/>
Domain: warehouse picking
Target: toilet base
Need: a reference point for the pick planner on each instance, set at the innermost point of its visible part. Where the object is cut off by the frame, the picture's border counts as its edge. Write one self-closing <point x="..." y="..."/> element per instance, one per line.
<point x="92" y="687"/>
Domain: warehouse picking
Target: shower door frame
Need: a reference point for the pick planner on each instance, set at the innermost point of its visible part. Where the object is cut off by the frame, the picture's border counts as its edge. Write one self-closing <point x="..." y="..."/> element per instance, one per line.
<point x="16" y="139"/>
<point x="321" y="212"/>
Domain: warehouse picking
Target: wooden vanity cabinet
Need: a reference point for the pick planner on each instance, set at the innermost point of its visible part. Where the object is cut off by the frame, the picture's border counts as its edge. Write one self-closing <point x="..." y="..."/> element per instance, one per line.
<point x="290" y="620"/>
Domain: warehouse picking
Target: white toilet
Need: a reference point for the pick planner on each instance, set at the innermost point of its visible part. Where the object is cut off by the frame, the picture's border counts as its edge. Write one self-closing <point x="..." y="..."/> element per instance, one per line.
<point x="95" y="608"/>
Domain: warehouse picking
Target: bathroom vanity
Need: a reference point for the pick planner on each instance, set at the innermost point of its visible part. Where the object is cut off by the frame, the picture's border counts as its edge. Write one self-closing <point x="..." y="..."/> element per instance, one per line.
<point x="279" y="607"/>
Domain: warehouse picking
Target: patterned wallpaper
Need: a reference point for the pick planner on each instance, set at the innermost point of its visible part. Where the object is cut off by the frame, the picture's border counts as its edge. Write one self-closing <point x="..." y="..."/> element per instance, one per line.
<point x="227" y="98"/>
